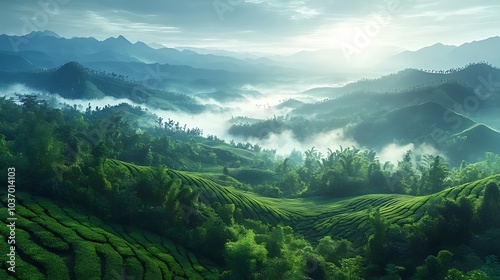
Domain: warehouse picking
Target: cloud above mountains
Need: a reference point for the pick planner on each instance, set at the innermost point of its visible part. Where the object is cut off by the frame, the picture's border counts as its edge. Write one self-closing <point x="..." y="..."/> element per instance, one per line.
<point x="269" y="25"/>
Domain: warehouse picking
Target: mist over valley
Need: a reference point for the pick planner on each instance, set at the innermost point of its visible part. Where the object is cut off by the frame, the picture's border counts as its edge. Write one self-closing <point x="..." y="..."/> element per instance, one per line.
<point x="250" y="140"/>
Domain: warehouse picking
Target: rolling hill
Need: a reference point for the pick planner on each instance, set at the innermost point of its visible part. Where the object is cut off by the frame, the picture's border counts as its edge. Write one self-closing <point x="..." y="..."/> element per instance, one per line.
<point x="473" y="76"/>
<point x="471" y="143"/>
<point x="56" y="242"/>
<point x="458" y="136"/>
<point x="60" y="242"/>
<point x="315" y="217"/>
<point x="409" y="125"/>
<point x="13" y="62"/>
<point x="73" y="81"/>
<point x="449" y="94"/>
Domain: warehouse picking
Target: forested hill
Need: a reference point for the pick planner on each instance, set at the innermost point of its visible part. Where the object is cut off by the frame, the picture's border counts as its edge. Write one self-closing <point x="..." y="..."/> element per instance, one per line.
<point x="447" y="115"/>
<point x="165" y="202"/>
<point x="73" y="81"/>
<point x="473" y="75"/>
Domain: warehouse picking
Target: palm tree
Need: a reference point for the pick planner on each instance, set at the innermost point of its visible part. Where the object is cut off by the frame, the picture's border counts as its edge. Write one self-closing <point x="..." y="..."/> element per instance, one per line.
<point x="312" y="159"/>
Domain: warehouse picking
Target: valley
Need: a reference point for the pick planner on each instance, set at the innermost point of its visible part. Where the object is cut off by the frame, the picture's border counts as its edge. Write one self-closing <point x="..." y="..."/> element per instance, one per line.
<point x="142" y="161"/>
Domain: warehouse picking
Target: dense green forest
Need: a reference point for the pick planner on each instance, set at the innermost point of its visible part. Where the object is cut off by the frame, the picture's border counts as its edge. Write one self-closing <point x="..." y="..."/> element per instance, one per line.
<point x="138" y="196"/>
<point x="253" y="140"/>
<point x="453" y="111"/>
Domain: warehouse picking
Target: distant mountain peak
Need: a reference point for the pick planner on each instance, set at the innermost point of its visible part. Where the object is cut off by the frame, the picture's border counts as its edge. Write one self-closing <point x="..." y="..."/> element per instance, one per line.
<point x="489" y="39"/>
<point x="155" y="45"/>
<point x="45" y="33"/>
<point x="437" y="46"/>
<point x="73" y="64"/>
<point x="120" y="39"/>
<point x="72" y="67"/>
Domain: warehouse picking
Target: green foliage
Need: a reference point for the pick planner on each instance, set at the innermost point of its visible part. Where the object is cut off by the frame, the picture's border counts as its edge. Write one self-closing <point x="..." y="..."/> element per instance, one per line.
<point x="57" y="246"/>
<point x="112" y="260"/>
<point x="455" y="274"/>
<point x="350" y="269"/>
<point x="100" y="162"/>
<point x="334" y="250"/>
<point x="291" y="184"/>
<point x="53" y="264"/>
<point x="492" y="266"/>
<point x="289" y="255"/>
<point x="225" y="212"/>
<point x="245" y="256"/>
<point x="171" y="203"/>
<point x="435" y="268"/>
<point x="377" y="246"/>
<point x="6" y="157"/>
<point x="87" y="263"/>
<point x="490" y="207"/>
<point x="457" y="220"/>
<point x="434" y="172"/>
<point x="212" y="233"/>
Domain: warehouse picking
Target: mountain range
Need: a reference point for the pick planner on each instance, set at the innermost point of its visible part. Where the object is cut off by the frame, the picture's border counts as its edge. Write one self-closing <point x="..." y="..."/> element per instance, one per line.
<point x="138" y="61"/>
<point x="427" y="101"/>
<point x="450" y="110"/>
<point x="203" y="167"/>
<point x="444" y="57"/>
<point x="46" y="49"/>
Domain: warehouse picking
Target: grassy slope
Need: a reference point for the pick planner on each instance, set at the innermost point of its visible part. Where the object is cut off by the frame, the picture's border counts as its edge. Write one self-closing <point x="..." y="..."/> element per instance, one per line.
<point x="66" y="237"/>
<point x="410" y="124"/>
<point x="60" y="243"/>
<point x="316" y="217"/>
<point x="231" y="155"/>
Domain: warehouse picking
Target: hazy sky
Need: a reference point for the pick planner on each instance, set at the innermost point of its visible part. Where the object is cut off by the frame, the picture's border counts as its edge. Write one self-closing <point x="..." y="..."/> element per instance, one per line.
<point x="261" y="25"/>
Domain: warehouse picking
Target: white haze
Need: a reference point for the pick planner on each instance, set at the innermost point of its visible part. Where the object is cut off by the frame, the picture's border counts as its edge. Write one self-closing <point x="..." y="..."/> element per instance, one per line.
<point x="56" y="100"/>
<point x="217" y="122"/>
<point x="285" y="142"/>
<point x="395" y="153"/>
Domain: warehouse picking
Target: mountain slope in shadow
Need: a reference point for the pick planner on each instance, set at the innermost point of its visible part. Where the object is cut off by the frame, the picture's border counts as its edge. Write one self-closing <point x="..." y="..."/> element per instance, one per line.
<point x="73" y="81"/>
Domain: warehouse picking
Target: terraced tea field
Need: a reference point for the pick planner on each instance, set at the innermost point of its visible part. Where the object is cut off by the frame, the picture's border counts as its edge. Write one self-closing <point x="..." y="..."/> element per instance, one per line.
<point x="253" y="176"/>
<point x="60" y="243"/>
<point x="315" y="217"/>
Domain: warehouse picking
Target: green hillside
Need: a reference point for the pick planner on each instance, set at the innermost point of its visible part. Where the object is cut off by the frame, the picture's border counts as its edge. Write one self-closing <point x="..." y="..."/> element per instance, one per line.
<point x="410" y="78"/>
<point x="316" y="217"/>
<point x="446" y="93"/>
<point x="73" y="81"/>
<point x="12" y="62"/>
<point x="344" y="213"/>
<point x="469" y="143"/>
<point x="424" y="114"/>
<point x="56" y="242"/>
<point x="410" y="124"/>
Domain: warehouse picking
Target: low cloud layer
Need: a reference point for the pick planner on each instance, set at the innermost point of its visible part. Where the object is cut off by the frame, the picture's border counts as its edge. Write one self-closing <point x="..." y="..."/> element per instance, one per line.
<point x="218" y="122"/>
<point x="395" y="153"/>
